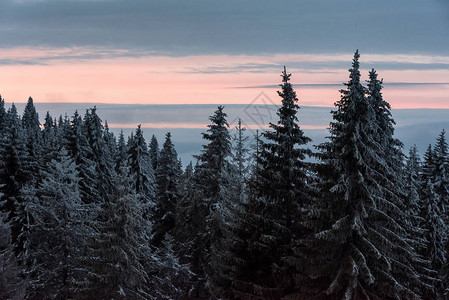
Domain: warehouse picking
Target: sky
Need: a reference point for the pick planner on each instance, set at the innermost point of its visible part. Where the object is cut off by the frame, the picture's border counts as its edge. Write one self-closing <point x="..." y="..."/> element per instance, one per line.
<point x="220" y="52"/>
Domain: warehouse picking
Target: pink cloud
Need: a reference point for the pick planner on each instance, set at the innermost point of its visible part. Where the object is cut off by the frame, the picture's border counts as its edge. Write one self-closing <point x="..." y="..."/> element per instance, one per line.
<point x="114" y="76"/>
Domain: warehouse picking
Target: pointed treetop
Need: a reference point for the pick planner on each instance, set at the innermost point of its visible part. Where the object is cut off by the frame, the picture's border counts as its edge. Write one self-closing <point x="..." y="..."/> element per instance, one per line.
<point x="285" y="76"/>
<point x="441" y="146"/>
<point x="373" y="76"/>
<point x="355" y="73"/>
<point x="48" y="120"/>
<point x="219" y="118"/>
<point x="30" y="117"/>
<point x="168" y="136"/>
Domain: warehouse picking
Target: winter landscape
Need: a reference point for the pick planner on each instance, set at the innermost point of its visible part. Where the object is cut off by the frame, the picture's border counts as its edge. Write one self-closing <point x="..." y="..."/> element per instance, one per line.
<point x="238" y="150"/>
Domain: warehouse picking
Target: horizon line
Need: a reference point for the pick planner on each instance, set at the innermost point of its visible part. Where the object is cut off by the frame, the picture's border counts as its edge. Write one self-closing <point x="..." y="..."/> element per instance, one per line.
<point x="36" y="103"/>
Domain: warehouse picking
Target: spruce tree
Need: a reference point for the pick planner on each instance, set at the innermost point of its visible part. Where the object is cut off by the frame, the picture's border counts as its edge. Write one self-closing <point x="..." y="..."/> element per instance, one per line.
<point x="171" y="278"/>
<point x="16" y="171"/>
<point x="110" y="141"/>
<point x="32" y="132"/>
<point x="202" y="208"/>
<point x="121" y="153"/>
<point x="100" y="155"/>
<point x="118" y="257"/>
<point x="412" y="172"/>
<point x="432" y="220"/>
<point x="56" y="231"/>
<point x="271" y="220"/>
<point x="282" y="159"/>
<point x="167" y="180"/>
<point x="76" y="143"/>
<point x="2" y="114"/>
<point x="51" y="136"/>
<point x="12" y="286"/>
<point x="360" y="248"/>
<point x="141" y="172"/>
<point x="214" y="154"/>
<point x="154" y="152"/>
<point x="190" y="234"/>
<point x="441" y="174"/>
<point x="240" y="160"/>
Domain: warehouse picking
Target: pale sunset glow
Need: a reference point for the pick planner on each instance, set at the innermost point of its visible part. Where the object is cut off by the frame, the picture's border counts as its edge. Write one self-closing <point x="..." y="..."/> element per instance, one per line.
<point x="116" y="76"/>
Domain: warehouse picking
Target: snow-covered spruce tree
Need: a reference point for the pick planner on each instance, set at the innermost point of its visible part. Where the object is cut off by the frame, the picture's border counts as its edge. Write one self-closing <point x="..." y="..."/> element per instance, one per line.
<point x="167" y="180"/>
<point x="55" y="235"/>
<point x="360" y="249"/>
<point x="392" y="177"/>
<point x="154" y="152"/>
<point x="110" y="141"/>
<point x="189" y="233"/>
<point x="2" y="114"/>
<point x="271" y="220"/>
<point x="121" y="157"/>
<point x="75" y="142"/>
<point x="12" y="286"/>
<point x="428" y="166"/>
<point x="417" y="214"/>
<point x="50" y="139"/>
<point x="204" y="214"/>
<point x="435" y="231"/>
<point x="214" y="155"/>
<point x="16" y="171"/>
<point x="441" y="174"/>
<point x="254" y="164"/>
<point x="171" y="277"/>
<point x="62" y="125"/>
<point x="31" y="127"/>
<point x="141" y="172"/>
<point x="432" y="221"/>
<point x="282" y="177"/>
<point x="118" y="256"/>
<point x="240" y="159"/>
<point x="412" y="173"/>
<point x="94" y="132"/>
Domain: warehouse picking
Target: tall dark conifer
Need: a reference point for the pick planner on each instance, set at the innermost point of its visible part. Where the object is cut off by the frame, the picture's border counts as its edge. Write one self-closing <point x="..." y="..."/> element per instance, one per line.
<point x="55" y="237"/>
<point x="167" y="180"/>
<point x="441" y="173"/>
<point x="76" y="143"/>
<point x="121" y="152"/>
<point x="190" y="236"/>
<point x="32" y="132"/>
<point x="360" y="249"/>
<point x="240" y="160"/>
<point x="141" y="172"/>
<point x="271" y="220"/>
<point x="93" y="130"/>
<point x="205" y="207"/>
<point x="118" y="258"/>
<point x="154" y="152"/>
<point x="432" y="216"/>
<point x="16" y="171"/>
<point x="11" y="284"/>
<point x="412" y="173"/>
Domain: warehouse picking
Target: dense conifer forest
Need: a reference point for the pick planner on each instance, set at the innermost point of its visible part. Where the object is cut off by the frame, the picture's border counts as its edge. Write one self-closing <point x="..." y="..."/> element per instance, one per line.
<point x="86" y="214"/>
